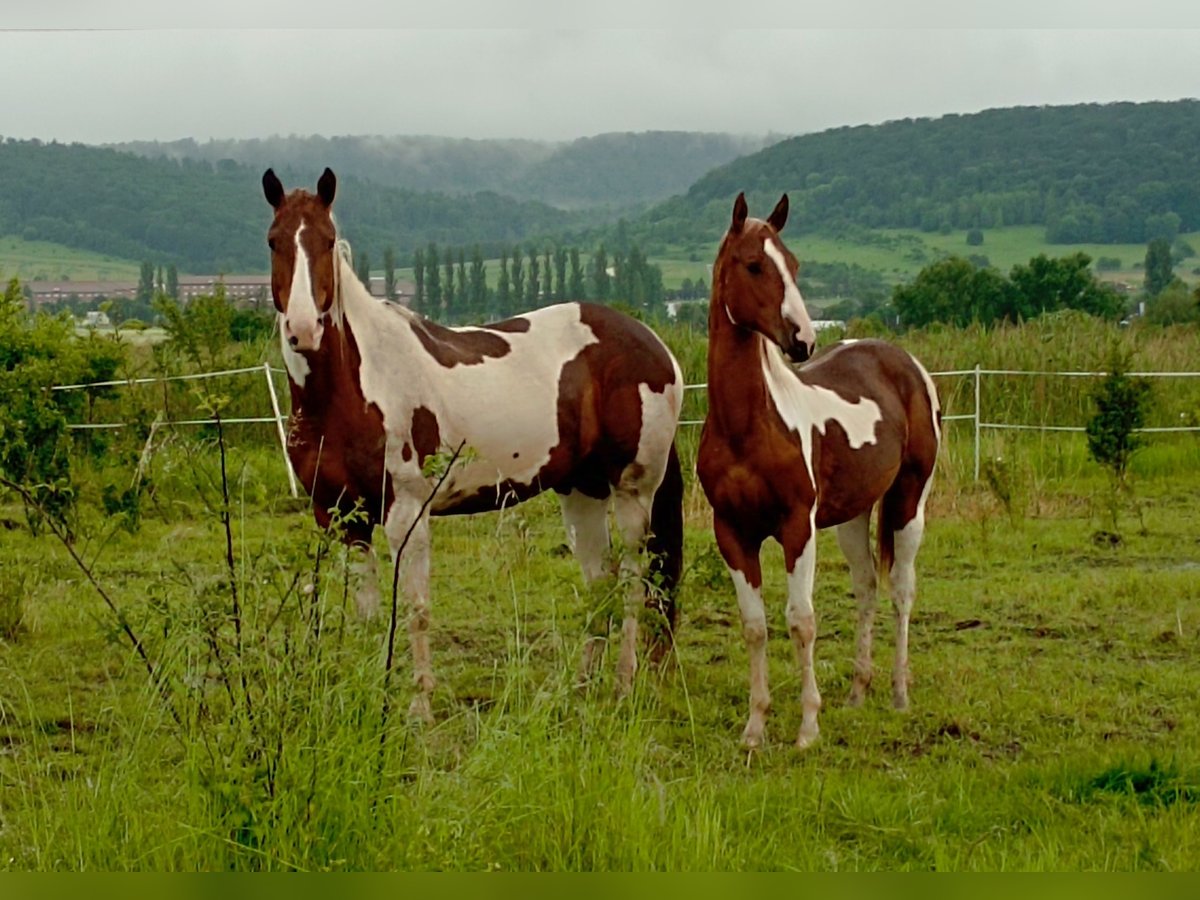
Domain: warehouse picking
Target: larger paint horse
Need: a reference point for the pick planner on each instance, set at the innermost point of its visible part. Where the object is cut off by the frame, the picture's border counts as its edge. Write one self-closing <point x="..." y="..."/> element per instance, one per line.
<point x="785" y="453"/>
<point x="576" y="398"/>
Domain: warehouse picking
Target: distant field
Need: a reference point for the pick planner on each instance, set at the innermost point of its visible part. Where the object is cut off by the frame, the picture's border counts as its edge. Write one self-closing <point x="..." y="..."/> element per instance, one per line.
<point x="43" y="261"/>
<point x="898" y="254"/>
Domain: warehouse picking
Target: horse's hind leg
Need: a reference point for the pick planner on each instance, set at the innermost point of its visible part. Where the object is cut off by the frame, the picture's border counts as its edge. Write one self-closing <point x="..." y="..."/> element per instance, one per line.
<point x="854" y="539"/>
<point x="586" y="521"/>
<point x="631" y="508"/>
<point x="904" y="514"/>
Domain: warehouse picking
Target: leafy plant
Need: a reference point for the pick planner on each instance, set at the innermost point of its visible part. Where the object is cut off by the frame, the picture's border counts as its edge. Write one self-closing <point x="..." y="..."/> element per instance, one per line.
<point x="1122" y="404"/>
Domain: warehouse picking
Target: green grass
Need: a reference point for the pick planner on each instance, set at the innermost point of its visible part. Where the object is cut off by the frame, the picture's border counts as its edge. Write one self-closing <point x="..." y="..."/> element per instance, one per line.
<point x="899" y="254"/>
<point x="1053" y="724"/>
<point x="44" y="261"/>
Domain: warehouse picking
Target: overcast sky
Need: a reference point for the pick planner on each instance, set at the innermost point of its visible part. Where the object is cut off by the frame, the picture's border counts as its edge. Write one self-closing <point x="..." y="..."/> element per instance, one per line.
<point x="115" y="70"/>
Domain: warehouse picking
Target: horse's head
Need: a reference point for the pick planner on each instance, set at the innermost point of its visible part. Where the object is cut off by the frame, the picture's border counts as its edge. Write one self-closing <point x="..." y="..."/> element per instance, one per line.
<point x="303" y="243"/>
<point x="758" y="281"/>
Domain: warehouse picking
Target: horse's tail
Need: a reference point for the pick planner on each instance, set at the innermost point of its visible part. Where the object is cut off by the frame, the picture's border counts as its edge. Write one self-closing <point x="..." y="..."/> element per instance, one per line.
<point x="665" y="544"/>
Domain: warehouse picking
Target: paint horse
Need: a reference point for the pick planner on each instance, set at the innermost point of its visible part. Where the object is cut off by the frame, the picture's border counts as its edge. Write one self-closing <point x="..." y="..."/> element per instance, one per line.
<point x="785" y="452"/>
<point x="576" y="398"/>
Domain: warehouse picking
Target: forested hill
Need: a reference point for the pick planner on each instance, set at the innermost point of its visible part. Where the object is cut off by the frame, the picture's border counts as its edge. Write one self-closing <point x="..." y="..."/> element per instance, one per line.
<point x="212" y="217"/>
<point x="1120" y="172"/>
<point x="614" y="171"/>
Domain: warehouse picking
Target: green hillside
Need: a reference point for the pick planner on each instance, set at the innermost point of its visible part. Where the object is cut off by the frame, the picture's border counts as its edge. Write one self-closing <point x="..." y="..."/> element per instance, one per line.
<point x="1114" y="173"/>
<point x="212" y="218"/>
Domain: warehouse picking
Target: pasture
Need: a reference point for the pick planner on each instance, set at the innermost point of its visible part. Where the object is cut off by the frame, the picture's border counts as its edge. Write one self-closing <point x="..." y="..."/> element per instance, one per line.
<point x="1053" y="722"/>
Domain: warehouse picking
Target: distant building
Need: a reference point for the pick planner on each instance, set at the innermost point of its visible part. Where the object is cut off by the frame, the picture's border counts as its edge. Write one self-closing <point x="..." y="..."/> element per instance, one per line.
<point x="96" y="319"/>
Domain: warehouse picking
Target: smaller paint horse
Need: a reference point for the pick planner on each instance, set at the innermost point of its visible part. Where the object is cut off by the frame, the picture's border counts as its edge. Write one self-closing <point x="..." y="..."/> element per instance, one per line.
<point x="575" y="398"/>
<point x="785" y="452"/>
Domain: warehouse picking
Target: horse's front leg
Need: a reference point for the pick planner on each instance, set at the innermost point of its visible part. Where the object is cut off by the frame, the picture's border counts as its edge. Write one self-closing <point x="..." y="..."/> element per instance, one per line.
<point x="799" y="539"/>
<point x="412" y="558"/>
<point x="741" y="556"/>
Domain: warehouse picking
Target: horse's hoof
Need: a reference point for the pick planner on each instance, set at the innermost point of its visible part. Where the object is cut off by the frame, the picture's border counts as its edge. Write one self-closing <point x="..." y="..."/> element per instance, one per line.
<point x="804" y="741"/>
<point x="752" y="740"/>
<point x="421" y="710"/>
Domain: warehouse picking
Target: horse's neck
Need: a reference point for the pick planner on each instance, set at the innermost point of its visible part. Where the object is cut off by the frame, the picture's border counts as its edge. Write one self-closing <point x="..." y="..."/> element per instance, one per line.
<point x="356" y="324"/>
<point x="737" y="388"/>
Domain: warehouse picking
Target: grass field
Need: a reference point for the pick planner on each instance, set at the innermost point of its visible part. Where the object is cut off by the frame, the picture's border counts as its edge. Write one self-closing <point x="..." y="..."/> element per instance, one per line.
<point x="1054" y="722"/>
<point x="43" y="261"/>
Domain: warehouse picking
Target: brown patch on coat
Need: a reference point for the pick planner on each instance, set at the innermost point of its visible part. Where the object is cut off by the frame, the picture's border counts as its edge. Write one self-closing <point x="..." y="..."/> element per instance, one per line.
<point x="426" y="437"/>
<point x="451" y="347"/>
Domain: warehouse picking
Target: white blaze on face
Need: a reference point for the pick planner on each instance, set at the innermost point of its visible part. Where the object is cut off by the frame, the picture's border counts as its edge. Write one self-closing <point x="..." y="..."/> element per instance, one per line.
<point x="792" y="308"/>
<point x="301" y="320"/>
<point x="804" y="407"/>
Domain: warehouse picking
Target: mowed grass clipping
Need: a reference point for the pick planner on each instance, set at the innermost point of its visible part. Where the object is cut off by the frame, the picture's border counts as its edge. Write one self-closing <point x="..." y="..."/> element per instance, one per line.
<point x="1053" y="721"/>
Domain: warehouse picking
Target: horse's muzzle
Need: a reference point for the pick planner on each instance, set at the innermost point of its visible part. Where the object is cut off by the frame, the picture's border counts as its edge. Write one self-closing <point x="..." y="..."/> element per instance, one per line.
<point x="798" y="351"/>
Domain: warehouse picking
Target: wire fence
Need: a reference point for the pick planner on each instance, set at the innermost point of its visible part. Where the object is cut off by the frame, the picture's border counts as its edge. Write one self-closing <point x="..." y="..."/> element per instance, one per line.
<point x="976" y="374"/>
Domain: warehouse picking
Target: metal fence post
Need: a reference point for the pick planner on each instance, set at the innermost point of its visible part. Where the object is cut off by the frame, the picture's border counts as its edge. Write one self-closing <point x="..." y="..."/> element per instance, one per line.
<point x="287" y="461"/>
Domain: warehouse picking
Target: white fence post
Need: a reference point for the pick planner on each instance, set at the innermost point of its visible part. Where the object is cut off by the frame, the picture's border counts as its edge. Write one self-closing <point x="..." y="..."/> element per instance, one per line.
<point x="287" y="461"/>
<point x="977" y="382"/>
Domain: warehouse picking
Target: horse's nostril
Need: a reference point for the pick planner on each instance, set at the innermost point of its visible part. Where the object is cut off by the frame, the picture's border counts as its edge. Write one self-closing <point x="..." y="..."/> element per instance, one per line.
<point x="293" y="340"/>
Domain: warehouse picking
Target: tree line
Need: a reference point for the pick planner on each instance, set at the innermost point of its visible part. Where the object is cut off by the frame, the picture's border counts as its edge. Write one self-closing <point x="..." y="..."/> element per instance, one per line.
<point x="957" y="291"/>
<point x="452" y="285"/>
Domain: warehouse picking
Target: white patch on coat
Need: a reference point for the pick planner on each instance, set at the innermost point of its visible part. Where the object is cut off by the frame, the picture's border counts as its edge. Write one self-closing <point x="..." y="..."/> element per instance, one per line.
<point x="935" y="405"/>
<point x="295" y="363"/>
<point x="804" y="407"/>
<point x="660" y="416"/>
<point x="505" y="408"/>
<point x="792" y="308"/>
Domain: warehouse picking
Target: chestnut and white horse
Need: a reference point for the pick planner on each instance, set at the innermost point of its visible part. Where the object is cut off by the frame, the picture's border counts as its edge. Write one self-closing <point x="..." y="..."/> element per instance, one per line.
<point x="785" y="452"/>
<point x="575" y="397"/>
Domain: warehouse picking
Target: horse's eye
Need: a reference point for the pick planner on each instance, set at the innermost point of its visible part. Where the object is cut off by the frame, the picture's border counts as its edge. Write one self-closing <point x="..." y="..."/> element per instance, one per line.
<point x="754" y="268"/>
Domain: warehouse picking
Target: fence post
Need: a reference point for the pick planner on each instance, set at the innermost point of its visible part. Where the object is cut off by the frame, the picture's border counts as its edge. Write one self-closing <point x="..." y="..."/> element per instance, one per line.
<point x="279" y="428"/>
<point x="977" y="367"/>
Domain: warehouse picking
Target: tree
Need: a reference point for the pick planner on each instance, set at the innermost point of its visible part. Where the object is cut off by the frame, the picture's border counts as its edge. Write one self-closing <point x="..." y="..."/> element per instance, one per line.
<point x="601" y="280"/>
<point x="462" y="290"/>
<point x="575" y="285"/>
<point x="560" y="268"/>
<point x="503" y="288"/>
<point x="1122" y="404"/>
<point x="1159" y="268"/>
<point x="478" y="290"/>
<point x="172" y="282"/>
<point x="145" y="288"/>
<point x="449" y="292"/>
<point x="389" y="273"/>
<point x="974" y="237"/>
<point x="418" y="300"/>
<point x="533" y="284"/>
<point x="432" y="307"/>
<point x="518" y="277"/>
<point x="1066" y="282"/>
<point x="952" y="291"/>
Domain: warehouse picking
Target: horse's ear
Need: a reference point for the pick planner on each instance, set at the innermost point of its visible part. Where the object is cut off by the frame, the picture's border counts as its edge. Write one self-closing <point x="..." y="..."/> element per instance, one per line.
<point x="272" y="188"/>
<point x="778" y="217"/>
<point x="739" y="213"/>
<point x="327" y="186"/>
